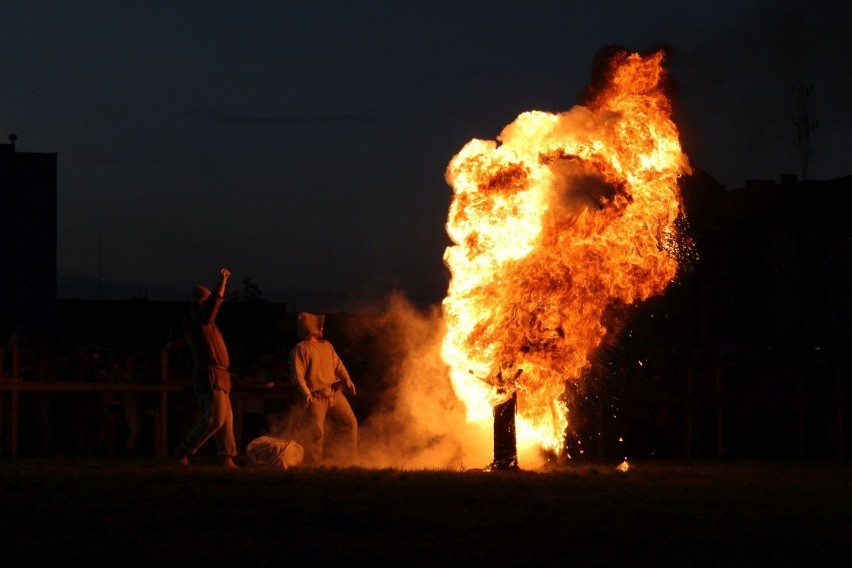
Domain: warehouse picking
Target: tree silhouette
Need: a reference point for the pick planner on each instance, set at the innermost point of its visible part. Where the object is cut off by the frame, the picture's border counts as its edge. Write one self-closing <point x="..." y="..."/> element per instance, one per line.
<point x="250" y="293"/>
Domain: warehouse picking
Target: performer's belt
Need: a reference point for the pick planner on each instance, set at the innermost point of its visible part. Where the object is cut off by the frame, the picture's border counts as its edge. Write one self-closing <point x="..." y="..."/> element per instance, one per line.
<point x="327" y="392"/>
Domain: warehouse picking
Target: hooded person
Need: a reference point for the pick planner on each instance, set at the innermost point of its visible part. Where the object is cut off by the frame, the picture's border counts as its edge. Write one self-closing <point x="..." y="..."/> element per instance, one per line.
<point x="309" y="324"/>
<point x="200" y="294"/>
<point x="211" y="376"/>
<point x="320" y="376"/>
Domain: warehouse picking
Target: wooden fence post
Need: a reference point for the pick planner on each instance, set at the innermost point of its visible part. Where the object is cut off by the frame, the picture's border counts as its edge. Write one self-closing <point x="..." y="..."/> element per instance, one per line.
<point x="162" y="436"/>
<point x="689" y="411"/>
<point x="838" y="397"/>
<point x="2" y="377"/>
<point x="15" y="363"/>
<point x="800" y="416"/>
<point x="720" y="414"/>
<point x="13" y="405"/>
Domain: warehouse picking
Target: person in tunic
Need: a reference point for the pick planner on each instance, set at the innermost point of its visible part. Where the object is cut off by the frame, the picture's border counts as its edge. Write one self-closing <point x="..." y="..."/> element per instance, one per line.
<point x="211" y="376"/>
<point x="320" y="376"/>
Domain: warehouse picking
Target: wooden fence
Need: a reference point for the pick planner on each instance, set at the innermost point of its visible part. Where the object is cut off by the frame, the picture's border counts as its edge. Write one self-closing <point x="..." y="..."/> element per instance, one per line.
<point x="702" y="413"/>
<point x="14" y="385"/>
<point x="805" y="419"/>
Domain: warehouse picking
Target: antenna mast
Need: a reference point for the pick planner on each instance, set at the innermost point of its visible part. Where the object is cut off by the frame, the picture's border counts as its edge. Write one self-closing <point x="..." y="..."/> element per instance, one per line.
<point x="803" y="127"/>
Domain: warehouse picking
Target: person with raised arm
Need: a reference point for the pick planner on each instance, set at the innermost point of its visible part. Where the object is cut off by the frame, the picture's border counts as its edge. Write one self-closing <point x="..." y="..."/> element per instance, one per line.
<point x="211" y="375"/>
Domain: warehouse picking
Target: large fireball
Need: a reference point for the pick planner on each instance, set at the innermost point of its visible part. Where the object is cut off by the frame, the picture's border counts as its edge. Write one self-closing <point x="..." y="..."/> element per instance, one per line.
<point x="562" y="217"/>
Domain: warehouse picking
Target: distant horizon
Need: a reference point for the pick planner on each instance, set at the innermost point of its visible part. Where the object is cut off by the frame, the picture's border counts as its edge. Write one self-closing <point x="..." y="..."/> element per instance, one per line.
<point x="80" y="287"/>
<point x="69" y="288"/>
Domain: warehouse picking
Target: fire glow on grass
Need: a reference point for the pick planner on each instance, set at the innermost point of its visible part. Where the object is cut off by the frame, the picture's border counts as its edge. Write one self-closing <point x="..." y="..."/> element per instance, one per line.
<point x="569" y="214"/>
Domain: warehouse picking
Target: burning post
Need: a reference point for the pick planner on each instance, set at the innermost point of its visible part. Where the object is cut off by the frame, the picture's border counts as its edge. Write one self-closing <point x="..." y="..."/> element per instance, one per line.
<point x="569" y="214"/>
<point x="505" y="442"/>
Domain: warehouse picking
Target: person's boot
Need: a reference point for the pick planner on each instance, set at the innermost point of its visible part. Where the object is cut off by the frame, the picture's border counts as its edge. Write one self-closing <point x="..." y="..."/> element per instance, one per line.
<point x="183" y="455"/>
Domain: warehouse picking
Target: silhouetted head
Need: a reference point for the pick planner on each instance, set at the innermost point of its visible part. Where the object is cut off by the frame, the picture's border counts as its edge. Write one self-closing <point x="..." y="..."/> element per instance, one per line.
<point x="200" y="294"/>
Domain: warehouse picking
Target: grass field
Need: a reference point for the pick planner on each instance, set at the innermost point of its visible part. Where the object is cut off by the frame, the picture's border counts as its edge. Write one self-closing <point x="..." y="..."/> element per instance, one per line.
<point x="137" y="511"/>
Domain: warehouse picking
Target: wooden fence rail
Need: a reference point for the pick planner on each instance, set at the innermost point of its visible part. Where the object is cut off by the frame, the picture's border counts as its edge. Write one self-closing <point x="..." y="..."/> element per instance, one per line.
<point x="719" y="404"/>
<point x="14" y="385"/>
<point x="731" y="415"/>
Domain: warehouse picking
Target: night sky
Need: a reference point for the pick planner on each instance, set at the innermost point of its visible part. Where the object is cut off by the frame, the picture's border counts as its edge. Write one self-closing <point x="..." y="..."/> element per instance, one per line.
<point x="303" y="144"/>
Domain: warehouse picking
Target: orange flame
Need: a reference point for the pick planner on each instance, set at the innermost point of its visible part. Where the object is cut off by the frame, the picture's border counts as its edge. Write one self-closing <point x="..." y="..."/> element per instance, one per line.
<point x="569" y="214"/>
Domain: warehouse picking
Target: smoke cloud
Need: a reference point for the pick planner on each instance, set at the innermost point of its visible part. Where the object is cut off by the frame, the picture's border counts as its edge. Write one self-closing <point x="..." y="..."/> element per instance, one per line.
<point x="415" y="420"/>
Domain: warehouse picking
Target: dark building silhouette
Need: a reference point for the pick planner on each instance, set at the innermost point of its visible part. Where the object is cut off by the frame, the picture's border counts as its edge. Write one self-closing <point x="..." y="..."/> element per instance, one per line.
<point x="747" y="353"/>
<point x="27" y="238"/>
<point x="773" y="272"/>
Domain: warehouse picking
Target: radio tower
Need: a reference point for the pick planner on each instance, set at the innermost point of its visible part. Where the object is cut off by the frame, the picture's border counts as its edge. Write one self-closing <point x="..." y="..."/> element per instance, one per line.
<point x="803" y="127"/>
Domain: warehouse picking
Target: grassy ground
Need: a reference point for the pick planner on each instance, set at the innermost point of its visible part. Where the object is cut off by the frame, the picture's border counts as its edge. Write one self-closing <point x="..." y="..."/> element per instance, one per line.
<point x="148" y="510"/>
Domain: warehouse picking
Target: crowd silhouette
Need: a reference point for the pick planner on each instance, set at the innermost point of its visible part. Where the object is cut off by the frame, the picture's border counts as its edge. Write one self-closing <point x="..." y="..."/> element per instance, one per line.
<point x="124" y="422"/>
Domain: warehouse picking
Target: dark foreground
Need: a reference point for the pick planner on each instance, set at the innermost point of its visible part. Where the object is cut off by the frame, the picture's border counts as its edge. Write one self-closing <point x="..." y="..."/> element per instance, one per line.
<point x="122" y="511"/>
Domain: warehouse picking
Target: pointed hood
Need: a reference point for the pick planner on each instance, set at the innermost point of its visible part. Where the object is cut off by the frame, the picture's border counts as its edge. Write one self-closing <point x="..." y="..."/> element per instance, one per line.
<point x="309" y="323"/>
<point x="199" y="294"/>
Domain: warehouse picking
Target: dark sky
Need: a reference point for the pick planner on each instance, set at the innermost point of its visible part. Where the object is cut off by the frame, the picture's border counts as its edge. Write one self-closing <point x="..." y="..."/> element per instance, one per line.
<point x="303" y="144"/>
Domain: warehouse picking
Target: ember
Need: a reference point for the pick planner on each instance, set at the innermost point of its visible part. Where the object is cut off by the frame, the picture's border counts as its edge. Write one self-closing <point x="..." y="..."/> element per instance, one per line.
<point x="569" y="214"/>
